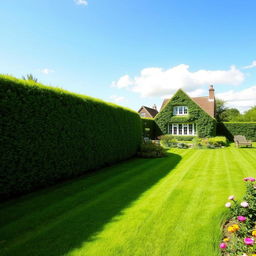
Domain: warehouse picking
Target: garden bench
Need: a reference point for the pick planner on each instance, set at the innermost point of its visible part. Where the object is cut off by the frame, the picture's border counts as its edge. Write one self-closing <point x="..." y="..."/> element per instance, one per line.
<point x="242" y="141"/>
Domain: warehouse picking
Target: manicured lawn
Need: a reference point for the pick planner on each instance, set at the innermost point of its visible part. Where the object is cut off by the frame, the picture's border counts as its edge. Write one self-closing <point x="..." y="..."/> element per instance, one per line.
<point x="157" y="207"/>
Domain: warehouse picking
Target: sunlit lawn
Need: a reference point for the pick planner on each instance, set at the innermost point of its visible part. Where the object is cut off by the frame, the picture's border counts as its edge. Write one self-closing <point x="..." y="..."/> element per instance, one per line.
<point x="170" y="206"/>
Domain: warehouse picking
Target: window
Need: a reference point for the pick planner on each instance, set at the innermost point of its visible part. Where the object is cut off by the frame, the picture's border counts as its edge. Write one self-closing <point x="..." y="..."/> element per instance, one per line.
<point x="190" y="129"/>
<point x="185" y="129"/>
<point x="143" y="114"/>
<point x="182" y="129"/>
<point x="170" y="128"/>
<point x="180" y="110"/>
<point x="174" y="131"/>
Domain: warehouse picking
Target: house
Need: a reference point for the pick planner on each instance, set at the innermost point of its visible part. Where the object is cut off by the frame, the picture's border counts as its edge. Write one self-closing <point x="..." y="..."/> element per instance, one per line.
<point x="148" y="112"/>
<point x="183" y="115"/>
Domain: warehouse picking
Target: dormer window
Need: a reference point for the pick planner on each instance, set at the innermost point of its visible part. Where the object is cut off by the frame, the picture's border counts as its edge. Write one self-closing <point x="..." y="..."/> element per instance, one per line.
<point x="180" y="110"/>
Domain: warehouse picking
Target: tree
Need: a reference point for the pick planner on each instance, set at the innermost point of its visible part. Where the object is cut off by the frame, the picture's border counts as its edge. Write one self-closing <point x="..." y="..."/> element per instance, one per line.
<point x="248" y="116"/>
<point x="229" y="114"/>
<point x="220" y="108"/>
<point x="30" y="77"/>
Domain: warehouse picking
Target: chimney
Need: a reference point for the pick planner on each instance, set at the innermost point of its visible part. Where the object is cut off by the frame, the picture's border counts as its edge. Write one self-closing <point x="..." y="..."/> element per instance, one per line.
<point x="154" y="107"/>
<point x="211" y="93"/>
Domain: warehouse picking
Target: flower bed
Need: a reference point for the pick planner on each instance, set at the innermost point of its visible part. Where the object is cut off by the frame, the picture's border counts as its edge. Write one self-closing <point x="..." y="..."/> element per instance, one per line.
<point x="239" y="232"/>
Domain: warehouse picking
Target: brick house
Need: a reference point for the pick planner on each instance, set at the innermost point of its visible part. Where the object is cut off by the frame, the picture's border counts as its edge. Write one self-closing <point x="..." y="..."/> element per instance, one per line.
<point x="148" y="112"/>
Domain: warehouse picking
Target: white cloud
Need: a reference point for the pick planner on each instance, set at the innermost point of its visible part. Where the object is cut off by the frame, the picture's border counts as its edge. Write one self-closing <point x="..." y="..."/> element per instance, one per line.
<point x="81" y="2"/>
<point x="242" y="100"/>
<point x="123" y="82"/>
<point x="158" y="82"/>
<point x="117" y="99"/>
<point x="253" y="65"/>
<point x="46" y="71"/>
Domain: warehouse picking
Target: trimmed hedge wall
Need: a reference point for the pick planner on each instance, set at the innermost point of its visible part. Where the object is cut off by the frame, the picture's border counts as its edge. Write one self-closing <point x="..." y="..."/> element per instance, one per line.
<point x="48" y="134"/>
<point x="229" y="129"/>
<point x="206" y="125"/>
<point x="148" y="127"/>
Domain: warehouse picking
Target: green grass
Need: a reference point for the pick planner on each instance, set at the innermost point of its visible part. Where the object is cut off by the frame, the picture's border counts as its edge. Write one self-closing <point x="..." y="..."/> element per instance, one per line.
<point x="144" y="207"/>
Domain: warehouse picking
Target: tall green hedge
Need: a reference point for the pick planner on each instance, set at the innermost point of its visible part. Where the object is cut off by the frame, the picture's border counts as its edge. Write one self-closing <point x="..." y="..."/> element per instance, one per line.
<point x="230" y="129"/>
<point x="48" y="134"/>
<point x="148" y="127"/>
<point x="206" y="125"/>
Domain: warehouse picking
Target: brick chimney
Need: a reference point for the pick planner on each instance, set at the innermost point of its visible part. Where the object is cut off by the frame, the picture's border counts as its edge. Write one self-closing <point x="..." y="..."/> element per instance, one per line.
<point x="211" y="93"/>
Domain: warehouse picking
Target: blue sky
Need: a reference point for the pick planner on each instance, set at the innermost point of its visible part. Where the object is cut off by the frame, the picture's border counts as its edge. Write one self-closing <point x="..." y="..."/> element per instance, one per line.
<point x="133" y="52"/>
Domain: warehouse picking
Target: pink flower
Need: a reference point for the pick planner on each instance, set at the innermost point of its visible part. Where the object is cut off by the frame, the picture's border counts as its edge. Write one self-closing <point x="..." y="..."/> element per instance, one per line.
<point x="231" y="197"/>
<point x="241" y="218"/>
<point x="248" y="241"/>
<point x="250" y="179"/>
<point x="244" y="204"/>
<point x="223" y="245"/>
<point x="228" y="205"/>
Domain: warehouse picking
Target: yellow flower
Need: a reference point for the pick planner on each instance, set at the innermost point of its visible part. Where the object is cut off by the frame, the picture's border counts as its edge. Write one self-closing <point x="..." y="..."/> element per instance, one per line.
<point x="236" y="227"/>
<point x="254" y="234"/>
<point x="231" y="229"/>
<point x="226" y="239"/>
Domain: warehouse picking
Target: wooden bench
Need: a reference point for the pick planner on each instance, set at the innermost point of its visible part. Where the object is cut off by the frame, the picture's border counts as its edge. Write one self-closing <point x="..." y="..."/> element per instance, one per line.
<point x="242" y="141"/>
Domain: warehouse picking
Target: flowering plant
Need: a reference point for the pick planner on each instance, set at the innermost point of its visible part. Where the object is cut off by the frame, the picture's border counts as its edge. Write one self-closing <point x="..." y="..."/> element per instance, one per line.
<point x="240" y="230"/>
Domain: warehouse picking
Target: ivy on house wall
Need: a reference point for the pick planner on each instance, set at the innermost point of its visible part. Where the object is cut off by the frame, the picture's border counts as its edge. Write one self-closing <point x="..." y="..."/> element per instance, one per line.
<point x="206" y="125"/>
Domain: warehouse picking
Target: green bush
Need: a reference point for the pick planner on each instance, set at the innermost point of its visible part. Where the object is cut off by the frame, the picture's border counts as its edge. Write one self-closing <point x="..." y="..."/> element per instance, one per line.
<point x="182" y="145"/>
<point x="168" y="141"/>
<point x="184" y="138"/>
<point x="151" y="150"/>
<point x="214" y="142"/>
<point x="48" y="134"/>
<point x="230" y="129"/>
<point x="218" y="141"/>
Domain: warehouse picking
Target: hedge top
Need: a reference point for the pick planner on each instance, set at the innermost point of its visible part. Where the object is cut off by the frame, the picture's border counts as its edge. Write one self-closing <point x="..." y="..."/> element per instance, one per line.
<point x="8" y="78"/>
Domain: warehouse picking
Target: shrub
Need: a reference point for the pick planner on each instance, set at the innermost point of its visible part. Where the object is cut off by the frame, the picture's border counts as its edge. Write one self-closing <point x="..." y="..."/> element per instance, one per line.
<point x="230" y="129"/>
<point x="151" y="150"/>
<point x="211" y="143"/>
<point x="48" y="134"/>
<point x="218" y="141"/>
<point x="197" y="142"/>
<point x="182" y="145"/>
<point x="168" y="141"/>
<point x="184" y="138"/>
<point x="239" y="230"/>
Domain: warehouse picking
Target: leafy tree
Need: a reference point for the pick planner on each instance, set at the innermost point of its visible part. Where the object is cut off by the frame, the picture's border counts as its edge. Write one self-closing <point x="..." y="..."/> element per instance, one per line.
<point x="220" y="108"/>
<point x="30" y="77"/>
<point x="229" y="114"/>
<point x="248" y="116"/>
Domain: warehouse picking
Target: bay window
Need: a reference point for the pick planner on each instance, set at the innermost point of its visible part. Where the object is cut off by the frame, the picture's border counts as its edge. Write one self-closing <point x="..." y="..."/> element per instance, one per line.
<point x="182" y="129"/>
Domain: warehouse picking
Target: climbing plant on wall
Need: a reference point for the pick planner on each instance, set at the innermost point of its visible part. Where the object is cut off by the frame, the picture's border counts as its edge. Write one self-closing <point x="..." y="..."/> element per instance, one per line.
<point x="206" y="125"/>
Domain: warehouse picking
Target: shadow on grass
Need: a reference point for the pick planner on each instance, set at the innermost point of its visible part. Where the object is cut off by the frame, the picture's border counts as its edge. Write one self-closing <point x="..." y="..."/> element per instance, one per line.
<point x="59" y="220"/>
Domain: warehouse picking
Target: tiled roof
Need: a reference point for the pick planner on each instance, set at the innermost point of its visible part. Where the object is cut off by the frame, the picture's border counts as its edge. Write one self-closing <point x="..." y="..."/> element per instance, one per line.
<point x="207" y="105"/>
<point x="151" y="111"/>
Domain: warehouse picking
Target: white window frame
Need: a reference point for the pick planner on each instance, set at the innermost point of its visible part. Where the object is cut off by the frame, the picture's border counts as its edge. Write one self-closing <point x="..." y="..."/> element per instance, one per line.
<point x="142" y="114"/>
<point x="180" y="110"/>
<point x="174" y="129"/>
